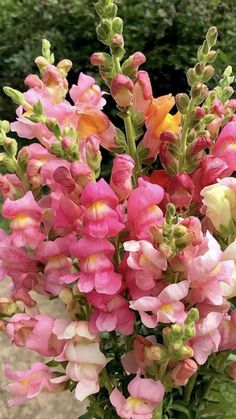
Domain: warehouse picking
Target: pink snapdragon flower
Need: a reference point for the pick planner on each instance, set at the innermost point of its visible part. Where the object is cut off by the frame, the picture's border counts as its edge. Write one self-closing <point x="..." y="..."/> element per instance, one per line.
<point x="225" y="144"/>
<point x="145" y="396"/>
<point x="25" y="216"/>
<point x="146" y="261"/>
<point x="143" y="210"/>
<point x="11" y="186"/>
<point x="67" y="215"/>
<point x="87" y="92"/>
<point x="142" y="97"/>
<point x="121" y="176"/>
<point x="207" y="271"/>
<point x="29" y="384"/>
<point x="166" y="308"/>
<point x="122" y="89"/>
<point x="110" y="312"/>
<point x="101" y="217"/>
<point x="183" y="371"/>
<point x="27" y="331"/>
<point x="96" y="267"/>
<point x="86" y="360"/>
<point x="207" y="338"/>
<point x="227" y="331"/>
<point x="55" y="256"/>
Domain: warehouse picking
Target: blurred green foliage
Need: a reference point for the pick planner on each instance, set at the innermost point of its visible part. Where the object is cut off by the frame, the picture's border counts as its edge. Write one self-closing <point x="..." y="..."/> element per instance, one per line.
<point x="167" y="31"/>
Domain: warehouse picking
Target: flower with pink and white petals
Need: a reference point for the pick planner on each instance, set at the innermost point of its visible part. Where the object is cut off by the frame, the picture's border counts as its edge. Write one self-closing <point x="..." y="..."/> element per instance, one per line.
<point x="101" y="218"/>
<point x="25" y="216"/>
<point x="121" y="176"/>
<point x="95" y="263"/>
<point x="224" y="146"/>
<point x="183" y="371"/>
<point x="58" y="264"/>
<point x="207" y="338"/>
<point x="143" y="210"/>
<point x="86" y="360"/>
<point x="166" y="308"/>
<point x="110" y="313"/>
<point x="146" y="261"/>
<point x="87" y="92"/>
<point x="145" y="395"/>
<point x="29" y="384"/>
<point x="207" y="271"/>
<point x="27" y="331"/>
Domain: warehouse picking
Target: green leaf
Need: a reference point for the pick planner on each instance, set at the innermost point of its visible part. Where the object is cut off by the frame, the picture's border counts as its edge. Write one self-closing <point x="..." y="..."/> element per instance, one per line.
<point x="180" y="408"/>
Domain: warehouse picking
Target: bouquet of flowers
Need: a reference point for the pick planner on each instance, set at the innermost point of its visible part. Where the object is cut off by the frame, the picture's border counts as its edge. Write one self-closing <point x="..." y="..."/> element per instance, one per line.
<point x="143" y="260"/>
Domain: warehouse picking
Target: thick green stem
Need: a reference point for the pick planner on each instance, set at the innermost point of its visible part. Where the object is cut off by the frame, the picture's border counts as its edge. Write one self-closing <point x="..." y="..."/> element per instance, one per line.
<point x="184" y="137"/>
<point x="117" y="66"/>
<point x="130" y="137"/>
<point x="189" y="387"/>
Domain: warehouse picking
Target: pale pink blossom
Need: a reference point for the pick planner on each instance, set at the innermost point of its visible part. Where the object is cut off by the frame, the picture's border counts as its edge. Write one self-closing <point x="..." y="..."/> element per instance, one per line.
<point x="29" y="384"/>
<point x="166" y="308"/>
<point x="146" y="261"/>
<point x="145" y="395"/>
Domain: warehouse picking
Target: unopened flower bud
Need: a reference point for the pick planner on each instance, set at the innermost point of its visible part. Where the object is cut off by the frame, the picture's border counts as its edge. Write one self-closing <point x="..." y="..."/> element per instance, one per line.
<point x="67" y="143"/>
<point x="118" y="39"/>
<point x="182" y="102"/>
<point x="183" y="352"/>
<point x="211" y="36"/>
<point x="208" y="73"/>
<point x="191" y="76"/>
<point x="7" y="163"/>
<point x="192" y="317"/>
<point x="183" y="371"/>
<point x="122" y="89"/>
<point x="189" y="332"/>
<point x="64" y="67"/>
<point x="10" y="146"/>
<point x="199" y="144"/>
<point x="16" y="96"/>
<point x="117" y="25"/>
<point x="121" y="176"/>
<point x="177" y="330"/>
<point x="41" y="63"/>
<point x="131" y="65"/>
<point x="8" y="307"/>
<point x="211" y="56"/>
<point x="200" y="112"/>
<point x="4" y="126"/>
<point x="168" y="137"/>
<point x="156" y="353"/>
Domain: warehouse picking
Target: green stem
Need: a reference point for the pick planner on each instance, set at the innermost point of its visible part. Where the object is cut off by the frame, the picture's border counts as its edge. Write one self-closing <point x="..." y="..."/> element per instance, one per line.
<point x="189" y="387"/>
<point x="116" y="61"/>
<point x="162" y="370"/>
<point x="209" y="386"/>
<point x="107" y="381"/>
<point x="184" y="137"/>
<point x="130" y="136"/>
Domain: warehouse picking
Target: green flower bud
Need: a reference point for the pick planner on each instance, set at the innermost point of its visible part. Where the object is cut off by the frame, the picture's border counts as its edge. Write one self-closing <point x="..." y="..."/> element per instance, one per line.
<point x="157" y="353"/>
<point x="6" y="162"/>
<point x="189" y="332"/>
<point x="208" y="118"/>
<point x="199" y="68"/>
<point x="177" y="330"/>
<point x="182" y="353"/>
<point x="38" y="108"/>
<point x="57" y="150"/>
<point x="180" y="231"/>
<point x="54" y="127"/>
<point x="182" y="102"/>
<point x="117" y="25"/>
<point x="16" y="96"/>
<point x="46" y="51"/>
<point x="4" y="126"/>
<point x="211" y="36"/>
<point x="192" y="317"/>
<point x="191" y="76"/>
<point x="211" y="56"/>
<point x="10" y="145"/>
<point x="208" y="73"/>
<point x="205" y="48"/>
<point x="64" y="67"/>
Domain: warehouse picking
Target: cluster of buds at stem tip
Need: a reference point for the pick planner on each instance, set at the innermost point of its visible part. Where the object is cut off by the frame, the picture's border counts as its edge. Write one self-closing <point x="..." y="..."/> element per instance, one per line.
<point x="110" y="28"/>
<point x="176" y="337"/>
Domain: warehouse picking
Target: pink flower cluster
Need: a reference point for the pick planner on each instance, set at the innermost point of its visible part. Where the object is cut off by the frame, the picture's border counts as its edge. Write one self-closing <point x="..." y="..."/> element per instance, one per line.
<point x="133" y="257"/>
